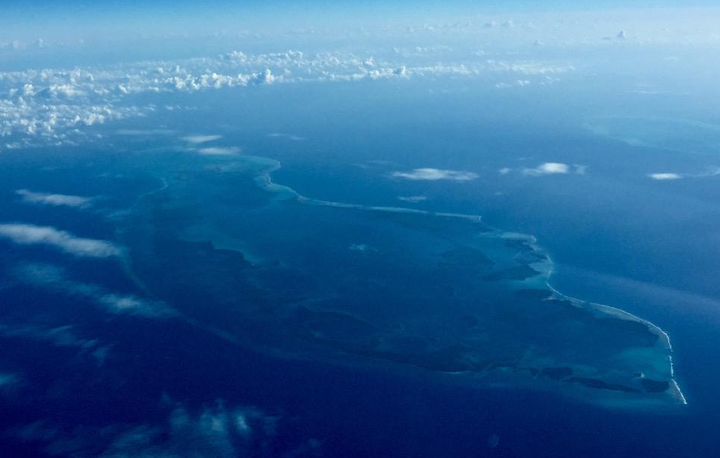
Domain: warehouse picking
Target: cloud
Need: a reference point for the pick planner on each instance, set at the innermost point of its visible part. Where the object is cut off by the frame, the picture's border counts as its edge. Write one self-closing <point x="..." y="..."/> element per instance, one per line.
<point x="516" y="83"/>
<point x="548" y="168"/>
<point x="665" y="176"/>
<point x="197" y="139"/>
<point x="133" y="305"/>
<point x="212" y="430"/>
<point x="56" y="106"/>
<point x="529" y="67"/>
<point x="144" y="133"/>
<point x="412" y="199"/>
<point x="58" y="336"/>
<point x="429" y="174"/>
<point x="288" y="136"/>
<point x="361" y="247"/>
<point x="29" y="234"/>
<point x="219" y="151"/>
<point x="56" y="279"/>
<point x="56" y="200"/>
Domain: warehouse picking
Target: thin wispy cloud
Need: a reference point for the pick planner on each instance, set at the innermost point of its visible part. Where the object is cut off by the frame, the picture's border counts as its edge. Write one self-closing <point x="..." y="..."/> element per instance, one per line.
<point x="117" y="303"/>
<point x="198" y="139"/>
<point x="56" y="279"/>
<point x="548" y="168"/>
<point x="671" y="176"/>
<point x="144" y="132"/>
<point x="412" y="199"/>
<point x="58" y="336"/>
<point x="665" y="176"/>
<point x="29" y="234"/>
<point x="55" y="106"/>
<point x="215" y="430"/>
<point x="287" y="136"/>
<point x="219" y="151"/>
<point x="430" y="174"/>
<point x="55" y="200"/>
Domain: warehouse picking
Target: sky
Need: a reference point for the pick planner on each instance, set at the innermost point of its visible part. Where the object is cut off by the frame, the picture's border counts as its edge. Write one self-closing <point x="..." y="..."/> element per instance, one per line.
<point x="44" y="17"/>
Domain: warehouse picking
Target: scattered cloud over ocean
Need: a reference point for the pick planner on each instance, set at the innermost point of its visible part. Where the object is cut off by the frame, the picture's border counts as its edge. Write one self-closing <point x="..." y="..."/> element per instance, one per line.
<point x="361" y="247"/>
<point x="56" y="200"/>
<point x="58" y="336"/>
<point x="429" y="174"/>
<point x="29" y="234"/>
<point x="219" y="151"/>
<point x="144" y="132"/>
<point x="198" y="139"/>
<point x="548" y="168"/>
<point x="57" y="106"/>
<point x="216" y="429"/>
<point x="671" y="176"/>
<point x="665" y="176"/>
<point x="292" y="137"/>
<point x="56" y="279"/>
<point x="412" y="199"/>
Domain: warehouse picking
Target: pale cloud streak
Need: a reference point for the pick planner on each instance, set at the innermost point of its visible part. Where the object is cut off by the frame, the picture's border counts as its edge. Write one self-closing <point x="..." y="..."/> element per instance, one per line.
<point x="548" y="168"/>
<point x="412" y="199"/>
<point x="198" y="139"/>
<point x="56" y="106"/>
<point x="55" y="278"/>
<point x="29" y="234"/>
<point x="430" y="174"/>
<point x="216" y="429"/>
<point x="219" y="151"/>
<point x="287" y="136"/>
<point x="665" y="176"/>
<point x="58" y="336"/>
<point x="55" y="200"/>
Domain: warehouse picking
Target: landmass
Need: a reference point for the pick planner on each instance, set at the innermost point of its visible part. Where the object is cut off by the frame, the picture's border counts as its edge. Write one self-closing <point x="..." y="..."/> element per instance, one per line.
<point x="441" y="293"/>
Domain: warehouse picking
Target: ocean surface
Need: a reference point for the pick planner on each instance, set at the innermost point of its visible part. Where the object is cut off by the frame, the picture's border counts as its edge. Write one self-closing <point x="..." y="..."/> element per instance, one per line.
<point x="615" y="236"/>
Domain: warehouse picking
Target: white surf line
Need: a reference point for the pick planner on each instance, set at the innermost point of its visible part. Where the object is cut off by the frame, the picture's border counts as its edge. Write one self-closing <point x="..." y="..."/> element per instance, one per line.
<point x="621" y="312"/>
<point x="269" y="185"/>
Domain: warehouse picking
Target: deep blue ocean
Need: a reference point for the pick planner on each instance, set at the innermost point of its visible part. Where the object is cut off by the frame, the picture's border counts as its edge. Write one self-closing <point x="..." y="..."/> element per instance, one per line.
<point x="616" y="237"/>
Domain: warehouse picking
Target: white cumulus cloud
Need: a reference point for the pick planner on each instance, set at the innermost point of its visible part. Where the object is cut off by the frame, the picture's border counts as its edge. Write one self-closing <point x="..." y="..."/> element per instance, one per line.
<point x="430" y="174"/>
<point x="56" y="200"/>
<point x="56" y="279"/>
<point x="219" y="151"/>
<point x="197" y="139"/>
<point x="412" y="199"/>
<point x="548" y="168"/>
<point x="29" y="234"/>
<point x="665" y="176"/>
